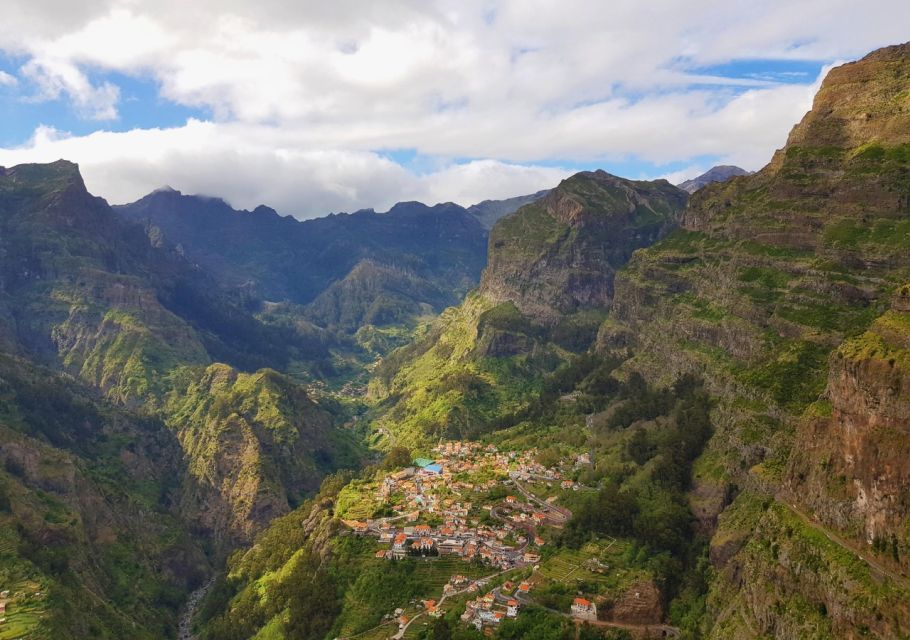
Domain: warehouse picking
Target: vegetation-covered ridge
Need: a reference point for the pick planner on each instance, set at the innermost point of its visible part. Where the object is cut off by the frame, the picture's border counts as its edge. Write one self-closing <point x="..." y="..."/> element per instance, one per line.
<point x="546" y="289"/>
<point x="558" y="255"/>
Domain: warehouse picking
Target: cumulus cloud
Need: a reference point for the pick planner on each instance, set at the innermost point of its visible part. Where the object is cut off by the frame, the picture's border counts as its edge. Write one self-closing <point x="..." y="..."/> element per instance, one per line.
<point x="7" y="80"/>
<point x="306" y="98"/>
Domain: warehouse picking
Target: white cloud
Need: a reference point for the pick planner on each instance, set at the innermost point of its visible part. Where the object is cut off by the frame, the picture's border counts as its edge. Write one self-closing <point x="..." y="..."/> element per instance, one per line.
<point x="293" y="84"/>
<point x="7" y="80"/>
<point x="248" y="166"/>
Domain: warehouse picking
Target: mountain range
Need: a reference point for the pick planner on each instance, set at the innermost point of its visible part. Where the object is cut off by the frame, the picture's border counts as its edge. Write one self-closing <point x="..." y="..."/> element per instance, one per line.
<point x="720" y="369"/>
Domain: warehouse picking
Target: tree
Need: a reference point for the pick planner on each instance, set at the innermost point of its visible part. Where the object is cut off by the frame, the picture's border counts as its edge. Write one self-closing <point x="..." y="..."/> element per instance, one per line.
<point x="397" y="457"/>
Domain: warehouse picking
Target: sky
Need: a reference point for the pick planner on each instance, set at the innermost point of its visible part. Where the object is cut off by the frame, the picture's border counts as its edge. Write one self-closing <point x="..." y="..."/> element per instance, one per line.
<point x="314" y="107"/>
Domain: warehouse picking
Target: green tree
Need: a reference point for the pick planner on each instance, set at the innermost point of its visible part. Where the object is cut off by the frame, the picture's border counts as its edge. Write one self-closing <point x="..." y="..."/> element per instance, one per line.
<point x="397" y="457"/>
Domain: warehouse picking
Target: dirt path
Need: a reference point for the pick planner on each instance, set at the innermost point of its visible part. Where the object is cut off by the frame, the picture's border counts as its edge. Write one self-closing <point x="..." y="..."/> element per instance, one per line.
<point x="873" y="563"/>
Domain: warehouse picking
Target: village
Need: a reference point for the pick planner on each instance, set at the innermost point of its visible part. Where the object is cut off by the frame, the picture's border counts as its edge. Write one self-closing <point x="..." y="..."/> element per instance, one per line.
<point x="470" y="501"/>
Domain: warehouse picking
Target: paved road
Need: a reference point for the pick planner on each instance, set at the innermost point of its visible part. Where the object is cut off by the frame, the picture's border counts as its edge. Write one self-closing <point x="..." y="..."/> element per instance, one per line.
<point x="563" y="514"/>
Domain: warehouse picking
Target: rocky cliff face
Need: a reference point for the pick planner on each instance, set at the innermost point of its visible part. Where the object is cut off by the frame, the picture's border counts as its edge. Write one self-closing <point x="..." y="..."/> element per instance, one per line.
<point x="559" y="255"/>
<point x="849" y="464"/>
<point x="771" y="290"/>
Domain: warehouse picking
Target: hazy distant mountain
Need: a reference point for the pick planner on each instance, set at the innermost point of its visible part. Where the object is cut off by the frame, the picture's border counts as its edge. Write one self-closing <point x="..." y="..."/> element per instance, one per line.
<point x="720" y="173"/>
<point x="413" y="257"/>
<point x="489" y="211"/>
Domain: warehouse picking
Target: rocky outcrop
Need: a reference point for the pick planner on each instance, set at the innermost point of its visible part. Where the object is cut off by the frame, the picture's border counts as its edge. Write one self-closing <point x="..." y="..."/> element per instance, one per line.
<point x="559" y="255"/>
<point x="640" y="604"/>
<point x="849" y="464"/>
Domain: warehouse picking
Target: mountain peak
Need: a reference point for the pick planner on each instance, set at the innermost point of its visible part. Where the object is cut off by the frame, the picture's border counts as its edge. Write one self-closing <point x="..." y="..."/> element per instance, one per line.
<point x="718" y="173"/>
<point x="54" y="175"/>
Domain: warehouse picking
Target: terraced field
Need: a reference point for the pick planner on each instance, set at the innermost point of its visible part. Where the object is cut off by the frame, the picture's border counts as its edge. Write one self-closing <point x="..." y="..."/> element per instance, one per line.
<point x="23" y="615"/>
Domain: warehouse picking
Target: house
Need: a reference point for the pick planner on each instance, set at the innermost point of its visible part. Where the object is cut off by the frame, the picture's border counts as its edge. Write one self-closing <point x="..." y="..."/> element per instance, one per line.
<point x="380" y="553"/>
<point x="431" y="470"/>
<point x="450" y="546"/>
<point x="584" y="609"/>
<point x="426" y="544"/>
<point x="524" y="587"/>
<point x="511" y="499"/>
<point x="512" y="608"/>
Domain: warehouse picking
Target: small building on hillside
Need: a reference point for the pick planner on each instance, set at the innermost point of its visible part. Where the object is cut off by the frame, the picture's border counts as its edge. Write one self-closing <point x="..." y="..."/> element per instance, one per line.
<point x="584" y="609"/>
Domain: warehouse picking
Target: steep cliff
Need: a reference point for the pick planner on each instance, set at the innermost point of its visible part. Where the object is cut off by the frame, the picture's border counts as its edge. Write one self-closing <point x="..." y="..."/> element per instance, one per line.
<point x="255" y="444"/>
<point x="559" y="255"/>
<point x="771" y="290"/>
<point x="91" y="540"/>
<point x="849" y="464"/>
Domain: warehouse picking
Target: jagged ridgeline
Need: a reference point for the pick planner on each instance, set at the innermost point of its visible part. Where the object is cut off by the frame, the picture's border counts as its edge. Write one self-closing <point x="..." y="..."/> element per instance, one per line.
<point x="345" y="271"/>
<point x="547" y="287"/>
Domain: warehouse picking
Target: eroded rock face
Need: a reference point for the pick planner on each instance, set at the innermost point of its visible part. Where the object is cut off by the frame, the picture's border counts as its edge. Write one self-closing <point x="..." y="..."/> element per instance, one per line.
<point x="640" y="604"/>
<point x="769" y="275"/>
<point x="559" y="255"/>
<point x="850" y="464"/>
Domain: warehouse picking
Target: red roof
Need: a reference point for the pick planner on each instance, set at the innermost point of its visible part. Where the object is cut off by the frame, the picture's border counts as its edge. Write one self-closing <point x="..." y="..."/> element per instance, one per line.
<point x="581" y="602"/>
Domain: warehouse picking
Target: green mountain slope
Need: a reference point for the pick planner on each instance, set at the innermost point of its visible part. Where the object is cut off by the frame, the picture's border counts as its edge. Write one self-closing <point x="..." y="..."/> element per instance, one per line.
<point x="92" y="295"/>
<point x="769" y="290"/>
<point x="548" y="282"/>
<point x="91" y="539"/>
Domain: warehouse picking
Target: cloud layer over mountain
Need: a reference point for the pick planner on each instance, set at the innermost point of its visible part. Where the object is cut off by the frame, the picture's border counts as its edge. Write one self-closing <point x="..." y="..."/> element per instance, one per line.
<point x="312" y="107"/>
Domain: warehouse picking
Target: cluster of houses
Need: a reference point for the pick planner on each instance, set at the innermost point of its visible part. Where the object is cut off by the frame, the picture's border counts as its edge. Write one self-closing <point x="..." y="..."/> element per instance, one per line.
<point x="435" y="507"/>
<point x="436" y="490"/>
<point x="493" y="607"/>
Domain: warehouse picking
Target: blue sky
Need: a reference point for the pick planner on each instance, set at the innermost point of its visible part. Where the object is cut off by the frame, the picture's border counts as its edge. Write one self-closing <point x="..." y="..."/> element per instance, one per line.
<point x="316" y="108"/>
